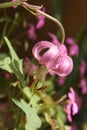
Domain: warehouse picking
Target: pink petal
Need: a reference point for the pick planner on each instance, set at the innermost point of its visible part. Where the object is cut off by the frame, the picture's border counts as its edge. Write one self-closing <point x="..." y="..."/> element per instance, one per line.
<point x="71" y="94"/>
<point x="68" y="111"/>
<point x="63" y="49"/>
<point x="74" y="109"/>
<point x="49" y="56"/>
<point x="54" y="39"/>
<point x="63" y="66"/>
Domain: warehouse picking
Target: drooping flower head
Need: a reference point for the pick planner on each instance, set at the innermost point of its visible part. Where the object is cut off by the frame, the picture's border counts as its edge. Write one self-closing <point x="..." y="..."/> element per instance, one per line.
<point x="55" y="57"/>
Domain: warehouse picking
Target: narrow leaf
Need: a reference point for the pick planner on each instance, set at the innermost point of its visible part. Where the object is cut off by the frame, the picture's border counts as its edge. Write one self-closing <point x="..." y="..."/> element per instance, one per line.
<point x="11" y="49"/>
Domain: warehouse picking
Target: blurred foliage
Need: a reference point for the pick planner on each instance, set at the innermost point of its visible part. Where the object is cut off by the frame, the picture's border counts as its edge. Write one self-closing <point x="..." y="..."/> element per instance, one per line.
<point x="37" y="95"/>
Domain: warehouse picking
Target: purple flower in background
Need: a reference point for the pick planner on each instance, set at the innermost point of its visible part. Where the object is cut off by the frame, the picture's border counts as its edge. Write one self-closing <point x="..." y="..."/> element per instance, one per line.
<point x="78" y="100"/>
<point x="70" y="41"/>
<point x="73" y="49"/>
<point x="31" y="32"/>
<point x="82" y="68"/>
<point x="61" y="80"/>
<point x="41" y="21"/>
<point x="7" y="75"/>
<point x="71" y="108"/>
<point x="29" y="67"/>
<point x="74" y="127"/>
<point x="54" y="57"/>
<point x="83" y="85"/>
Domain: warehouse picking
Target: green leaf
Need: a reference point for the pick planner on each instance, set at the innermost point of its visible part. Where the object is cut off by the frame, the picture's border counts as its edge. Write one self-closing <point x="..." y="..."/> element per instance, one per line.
<point x="33" y="120"/>
<point x="61" y="118"/>
<point x="5" y="64"/>
<point x="3" y="55"/>
<point x="15" y="64"/>
<point x="16" y="69"/>
<point x="35" y="98"/>
<point x="13" y="54"/>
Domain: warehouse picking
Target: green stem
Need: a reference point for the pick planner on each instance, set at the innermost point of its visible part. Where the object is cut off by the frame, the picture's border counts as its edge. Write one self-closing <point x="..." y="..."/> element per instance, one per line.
<point x="3" y="33"/>
<point x="10" y="4"/>
<point x="57" y="22"/>
<point x="36" y="11"/>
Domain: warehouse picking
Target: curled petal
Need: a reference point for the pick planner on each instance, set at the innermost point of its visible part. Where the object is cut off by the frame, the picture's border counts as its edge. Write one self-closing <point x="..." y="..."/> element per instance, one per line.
<point x="49" y="56"/>
<point x="63" y="66"/>
<point x="55" y="41"/>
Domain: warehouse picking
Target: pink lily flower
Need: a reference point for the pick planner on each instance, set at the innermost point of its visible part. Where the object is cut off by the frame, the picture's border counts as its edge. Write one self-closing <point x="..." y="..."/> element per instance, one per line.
<point x="71" y="108"/>
<point x="54" y="57"/>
